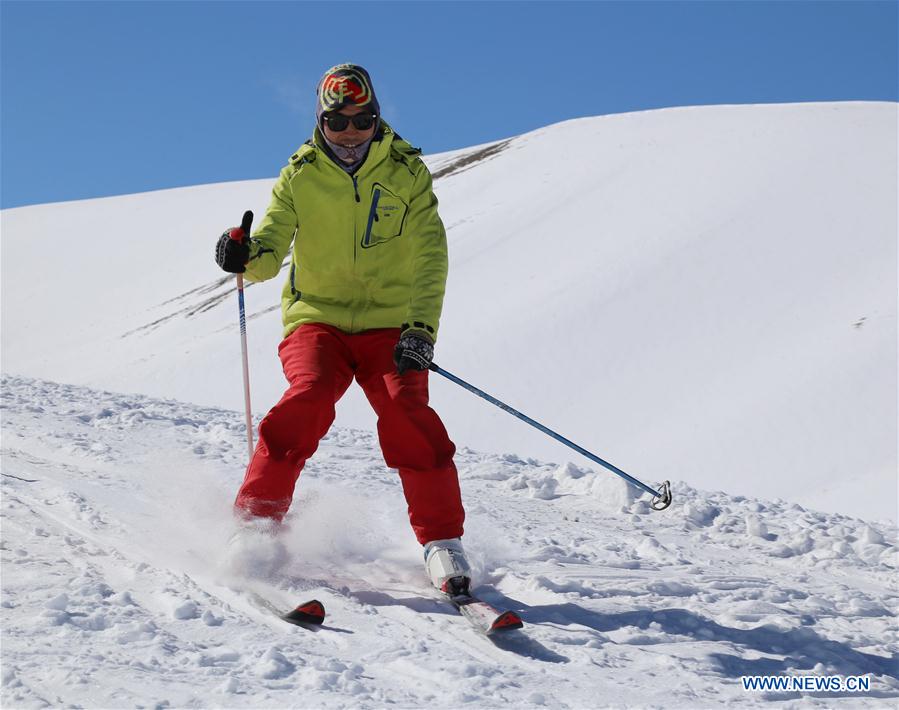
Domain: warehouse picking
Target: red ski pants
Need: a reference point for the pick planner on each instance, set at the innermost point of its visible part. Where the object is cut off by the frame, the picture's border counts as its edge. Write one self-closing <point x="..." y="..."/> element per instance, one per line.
<point x="320" y="362"/>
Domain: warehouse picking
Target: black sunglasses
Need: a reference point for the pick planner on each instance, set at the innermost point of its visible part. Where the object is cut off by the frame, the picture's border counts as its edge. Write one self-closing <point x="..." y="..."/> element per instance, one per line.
<point x="338" y="122"/>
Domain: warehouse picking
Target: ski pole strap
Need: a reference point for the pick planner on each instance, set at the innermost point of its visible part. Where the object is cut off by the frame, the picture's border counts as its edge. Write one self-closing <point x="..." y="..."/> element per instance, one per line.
<point x="241" y="307"/>
<point x="661" y="498"/>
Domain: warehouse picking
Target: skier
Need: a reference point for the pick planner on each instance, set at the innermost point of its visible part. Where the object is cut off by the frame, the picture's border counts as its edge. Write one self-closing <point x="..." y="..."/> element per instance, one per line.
<point x="362" y="300"/>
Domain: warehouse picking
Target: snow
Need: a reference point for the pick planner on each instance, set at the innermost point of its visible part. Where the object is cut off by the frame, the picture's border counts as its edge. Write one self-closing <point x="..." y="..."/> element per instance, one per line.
<point x="706" y="295"/>
<point x="118" y="590"/>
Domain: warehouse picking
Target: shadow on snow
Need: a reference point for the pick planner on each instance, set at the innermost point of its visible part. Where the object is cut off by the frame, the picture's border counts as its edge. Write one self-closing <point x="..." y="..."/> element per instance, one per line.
<point x="801" y="648"/>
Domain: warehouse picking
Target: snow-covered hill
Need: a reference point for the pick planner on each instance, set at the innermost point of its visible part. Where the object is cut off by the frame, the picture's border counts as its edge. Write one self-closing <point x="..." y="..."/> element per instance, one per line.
<point x="704" y="294"/>
<point x="116" y="592"/>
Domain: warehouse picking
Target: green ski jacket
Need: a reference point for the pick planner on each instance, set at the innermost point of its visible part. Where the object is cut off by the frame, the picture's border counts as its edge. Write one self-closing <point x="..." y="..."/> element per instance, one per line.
<point x="369" y="249"/>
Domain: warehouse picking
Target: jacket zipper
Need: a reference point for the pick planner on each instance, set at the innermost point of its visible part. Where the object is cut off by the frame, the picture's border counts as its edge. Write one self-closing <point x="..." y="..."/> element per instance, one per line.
<point x="293" y="286"/>
<point x="356" y="193"/>
<point x="372" y="217"/>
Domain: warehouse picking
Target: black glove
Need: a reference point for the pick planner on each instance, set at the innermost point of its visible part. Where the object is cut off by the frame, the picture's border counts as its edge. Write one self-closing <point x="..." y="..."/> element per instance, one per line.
<point x="414" y="351"/>
<point x="232" y="255"/>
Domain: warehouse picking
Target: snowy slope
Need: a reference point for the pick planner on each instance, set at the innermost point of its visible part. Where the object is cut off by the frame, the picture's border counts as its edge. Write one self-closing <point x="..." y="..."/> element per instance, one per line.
<point x="115" y="593"/>
<point x="704" y="294"/>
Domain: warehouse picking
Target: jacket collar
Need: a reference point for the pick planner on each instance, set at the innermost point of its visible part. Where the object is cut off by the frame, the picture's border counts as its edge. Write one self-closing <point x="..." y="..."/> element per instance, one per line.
<point x="377" y="151"/>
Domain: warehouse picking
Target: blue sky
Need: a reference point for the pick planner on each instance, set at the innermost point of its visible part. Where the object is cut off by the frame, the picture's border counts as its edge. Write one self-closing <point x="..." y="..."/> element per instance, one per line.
<point x="107" y="98"/>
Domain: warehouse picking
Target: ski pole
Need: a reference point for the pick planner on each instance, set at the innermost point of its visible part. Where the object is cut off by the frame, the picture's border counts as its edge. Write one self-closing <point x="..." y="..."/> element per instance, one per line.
<point x="661" y="498"/>
<point x="239" y="235"/>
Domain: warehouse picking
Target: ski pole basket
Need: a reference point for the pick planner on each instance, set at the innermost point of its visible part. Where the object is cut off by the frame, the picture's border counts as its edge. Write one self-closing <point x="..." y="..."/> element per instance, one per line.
<point x="663" y="499"/>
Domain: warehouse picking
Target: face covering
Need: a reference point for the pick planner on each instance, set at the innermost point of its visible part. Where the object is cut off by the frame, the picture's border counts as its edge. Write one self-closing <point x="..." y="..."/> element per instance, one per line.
<point x="350" y="158"/>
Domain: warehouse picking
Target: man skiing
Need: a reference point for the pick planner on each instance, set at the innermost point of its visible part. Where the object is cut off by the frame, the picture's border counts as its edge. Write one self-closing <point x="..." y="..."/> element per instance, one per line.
<point x="362" y="300"/>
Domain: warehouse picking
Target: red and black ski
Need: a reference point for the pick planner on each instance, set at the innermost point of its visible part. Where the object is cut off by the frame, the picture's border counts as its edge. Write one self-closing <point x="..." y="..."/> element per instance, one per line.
<point x="311" y="612"/>
<point x="484" y="617"/>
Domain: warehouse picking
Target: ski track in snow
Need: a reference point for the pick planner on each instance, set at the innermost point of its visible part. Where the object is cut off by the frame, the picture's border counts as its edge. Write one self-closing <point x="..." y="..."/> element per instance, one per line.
<point x="116" y="591"/>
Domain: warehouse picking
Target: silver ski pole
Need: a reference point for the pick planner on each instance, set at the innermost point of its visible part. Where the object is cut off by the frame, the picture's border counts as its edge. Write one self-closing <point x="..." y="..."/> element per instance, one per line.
<point x="239" y="235"/>
<point x="661" y="498"/>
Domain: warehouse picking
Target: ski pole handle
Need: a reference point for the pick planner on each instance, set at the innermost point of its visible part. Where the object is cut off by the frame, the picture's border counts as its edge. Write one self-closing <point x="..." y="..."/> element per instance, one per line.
<point x="242" y="233"/>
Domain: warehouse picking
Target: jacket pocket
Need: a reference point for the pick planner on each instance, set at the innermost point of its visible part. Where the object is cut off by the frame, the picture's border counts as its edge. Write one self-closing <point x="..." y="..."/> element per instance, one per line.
<point x="386" y="217"/>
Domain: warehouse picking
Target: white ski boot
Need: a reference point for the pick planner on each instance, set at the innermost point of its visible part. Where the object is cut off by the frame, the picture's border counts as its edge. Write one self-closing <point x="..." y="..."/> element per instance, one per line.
<point x="255" y="549"/>
<point x="446" y="566"/>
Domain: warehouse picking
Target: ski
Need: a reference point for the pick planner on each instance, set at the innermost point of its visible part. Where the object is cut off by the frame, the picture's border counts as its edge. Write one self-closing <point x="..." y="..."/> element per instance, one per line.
<point x="308" y="614"/>
<point x="311" y="612"/>
<point x="484" y="617"/>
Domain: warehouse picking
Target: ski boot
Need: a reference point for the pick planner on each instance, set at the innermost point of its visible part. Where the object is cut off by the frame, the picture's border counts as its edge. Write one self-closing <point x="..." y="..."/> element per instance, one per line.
<point x="255" y="549"/>
<point x="446" y="566"/>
